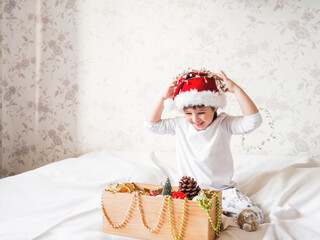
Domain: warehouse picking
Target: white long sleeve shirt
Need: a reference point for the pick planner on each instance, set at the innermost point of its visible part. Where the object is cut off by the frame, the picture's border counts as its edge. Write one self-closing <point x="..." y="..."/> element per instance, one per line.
<point x="206" y="155"/>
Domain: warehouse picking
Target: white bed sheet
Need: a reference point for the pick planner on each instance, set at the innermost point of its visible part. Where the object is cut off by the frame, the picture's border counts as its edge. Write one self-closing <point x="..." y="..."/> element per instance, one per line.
<point x="62" y="200"/>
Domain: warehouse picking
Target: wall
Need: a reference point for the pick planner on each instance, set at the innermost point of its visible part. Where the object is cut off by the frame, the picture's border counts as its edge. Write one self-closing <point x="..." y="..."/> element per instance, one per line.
<point x="78" y="76"/>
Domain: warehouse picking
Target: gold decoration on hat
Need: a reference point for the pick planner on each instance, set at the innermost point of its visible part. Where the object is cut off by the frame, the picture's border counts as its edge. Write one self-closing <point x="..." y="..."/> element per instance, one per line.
<point x="219" y="82"/>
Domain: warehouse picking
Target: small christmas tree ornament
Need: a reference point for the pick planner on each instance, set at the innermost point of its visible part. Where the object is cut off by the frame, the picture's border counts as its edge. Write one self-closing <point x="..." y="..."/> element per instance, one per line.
<point x="248" y="220"/>
<point x="189" y="186"/>
<point x="167" y="188"/>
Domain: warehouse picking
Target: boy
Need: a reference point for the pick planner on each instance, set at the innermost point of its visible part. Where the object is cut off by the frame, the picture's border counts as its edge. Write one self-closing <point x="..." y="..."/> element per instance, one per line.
<point x="203" y="136"/>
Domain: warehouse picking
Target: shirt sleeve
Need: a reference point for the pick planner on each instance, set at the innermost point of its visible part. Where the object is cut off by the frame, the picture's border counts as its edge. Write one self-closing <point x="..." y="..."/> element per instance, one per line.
<point x="164" y="126"/>
<point x="242" y="124"/>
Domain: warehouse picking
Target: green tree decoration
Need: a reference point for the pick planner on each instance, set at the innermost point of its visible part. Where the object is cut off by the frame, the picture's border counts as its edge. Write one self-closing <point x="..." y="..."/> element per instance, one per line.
<point x="167" y="188"/>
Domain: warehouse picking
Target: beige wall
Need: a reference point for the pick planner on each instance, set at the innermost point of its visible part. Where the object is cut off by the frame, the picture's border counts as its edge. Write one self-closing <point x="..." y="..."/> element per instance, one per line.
<point x="78" y="76"/>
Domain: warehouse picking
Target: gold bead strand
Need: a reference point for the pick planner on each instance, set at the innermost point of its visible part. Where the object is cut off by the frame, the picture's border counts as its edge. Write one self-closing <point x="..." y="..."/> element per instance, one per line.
<point x="142" y="218"/>
<point x="127" y="216"/>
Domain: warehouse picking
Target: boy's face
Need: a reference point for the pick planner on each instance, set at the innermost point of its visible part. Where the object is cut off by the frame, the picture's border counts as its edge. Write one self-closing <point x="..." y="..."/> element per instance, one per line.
<point x="200" y="117"/>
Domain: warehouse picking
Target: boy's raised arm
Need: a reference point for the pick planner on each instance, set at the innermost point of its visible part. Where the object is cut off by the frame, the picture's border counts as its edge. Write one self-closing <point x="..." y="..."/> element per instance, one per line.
<point x="246" y="104"/>
<point x="157" y="111"/>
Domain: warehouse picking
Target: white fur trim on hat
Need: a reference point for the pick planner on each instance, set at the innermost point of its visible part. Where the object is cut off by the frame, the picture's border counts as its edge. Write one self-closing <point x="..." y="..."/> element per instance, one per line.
<point x="194" y="98"/>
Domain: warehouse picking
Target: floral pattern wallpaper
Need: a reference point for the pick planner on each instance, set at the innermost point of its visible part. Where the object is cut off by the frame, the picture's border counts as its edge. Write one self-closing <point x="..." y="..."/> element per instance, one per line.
<point x="79" y="76"/>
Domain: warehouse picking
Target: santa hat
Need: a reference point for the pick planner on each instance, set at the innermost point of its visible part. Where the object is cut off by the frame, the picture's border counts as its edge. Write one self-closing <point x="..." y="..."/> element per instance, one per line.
<point x="197" y="88"/>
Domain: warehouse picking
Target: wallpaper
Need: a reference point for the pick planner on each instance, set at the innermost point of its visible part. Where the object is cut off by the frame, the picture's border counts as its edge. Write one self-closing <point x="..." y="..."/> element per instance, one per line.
<point x="79" y="76"/>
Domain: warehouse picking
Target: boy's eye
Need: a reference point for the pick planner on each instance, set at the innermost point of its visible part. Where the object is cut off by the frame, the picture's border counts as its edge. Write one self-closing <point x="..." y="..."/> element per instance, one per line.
<point x="187" y="113"/>
<point x="201" y="112"/>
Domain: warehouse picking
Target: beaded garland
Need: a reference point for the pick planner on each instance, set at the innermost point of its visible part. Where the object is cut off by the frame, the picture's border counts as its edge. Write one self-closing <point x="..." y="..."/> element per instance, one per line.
<point x="182" y="218"/>
<point x="126" y="218"/>
<point x="142" y="218"/>
<point x="137" y="198"/>
<point x="207" y="205"/>
<point x="264" y="141"/>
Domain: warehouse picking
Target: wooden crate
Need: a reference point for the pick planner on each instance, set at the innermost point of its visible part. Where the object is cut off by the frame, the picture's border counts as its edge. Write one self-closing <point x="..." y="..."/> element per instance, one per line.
<point x="196" y="224"/>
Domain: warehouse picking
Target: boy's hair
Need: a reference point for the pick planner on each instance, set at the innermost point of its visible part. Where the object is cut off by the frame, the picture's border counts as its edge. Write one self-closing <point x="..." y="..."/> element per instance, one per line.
<point x="200" y="106"/>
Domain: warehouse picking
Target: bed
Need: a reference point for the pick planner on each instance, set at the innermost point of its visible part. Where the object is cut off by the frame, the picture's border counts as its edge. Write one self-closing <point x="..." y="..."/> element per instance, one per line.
<point x="62" y="200"/>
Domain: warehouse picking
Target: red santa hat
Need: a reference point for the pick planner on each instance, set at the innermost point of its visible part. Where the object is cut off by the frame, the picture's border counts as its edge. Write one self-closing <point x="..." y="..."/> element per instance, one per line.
<point x="197" y="88"/>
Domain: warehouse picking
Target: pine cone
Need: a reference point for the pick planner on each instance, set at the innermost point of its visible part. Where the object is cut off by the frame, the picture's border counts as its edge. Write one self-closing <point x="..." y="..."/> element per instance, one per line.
<point x="189" y="186"/>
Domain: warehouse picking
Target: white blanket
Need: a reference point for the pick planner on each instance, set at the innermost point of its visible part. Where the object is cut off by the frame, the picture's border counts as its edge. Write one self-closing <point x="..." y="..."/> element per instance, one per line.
<point x="62" y="200"/>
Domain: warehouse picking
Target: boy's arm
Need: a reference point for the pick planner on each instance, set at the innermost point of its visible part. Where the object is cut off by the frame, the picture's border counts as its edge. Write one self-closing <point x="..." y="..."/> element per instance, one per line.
<point x="154" y="122"/>
<point x="157" y="112"/>
<point x="251" y="119"/>
<point x="246" y="104"/>
<point x="155" y="116"/>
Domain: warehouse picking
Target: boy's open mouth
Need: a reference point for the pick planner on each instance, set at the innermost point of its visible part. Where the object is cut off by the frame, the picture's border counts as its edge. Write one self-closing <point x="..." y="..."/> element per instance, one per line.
<point x="198" y="124"/>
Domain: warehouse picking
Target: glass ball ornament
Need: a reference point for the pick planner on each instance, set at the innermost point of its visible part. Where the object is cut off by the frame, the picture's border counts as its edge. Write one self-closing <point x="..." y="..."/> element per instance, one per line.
<point x="248" y="220"/>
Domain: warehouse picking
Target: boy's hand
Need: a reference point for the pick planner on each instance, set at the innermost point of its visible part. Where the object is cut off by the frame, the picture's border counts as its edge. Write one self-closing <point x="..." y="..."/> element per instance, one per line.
<point x="170" y="91"/>
<point x="230" y="85"/>
<point x="247" y="105"/>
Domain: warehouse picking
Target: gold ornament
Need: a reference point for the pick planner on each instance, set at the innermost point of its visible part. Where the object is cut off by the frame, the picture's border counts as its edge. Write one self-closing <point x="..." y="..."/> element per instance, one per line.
<point x="122" y="188"/>
<point x="155" y="190"/>
<point x="248" y="220"/>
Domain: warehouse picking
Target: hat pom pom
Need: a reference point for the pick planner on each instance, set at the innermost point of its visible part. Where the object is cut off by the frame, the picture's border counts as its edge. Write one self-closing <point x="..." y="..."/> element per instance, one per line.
<point x="169" y="104"/>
